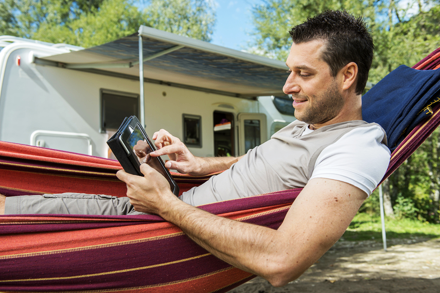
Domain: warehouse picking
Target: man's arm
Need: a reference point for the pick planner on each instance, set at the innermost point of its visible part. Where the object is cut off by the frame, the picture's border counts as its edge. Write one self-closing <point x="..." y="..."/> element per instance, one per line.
<point x="316" y="220"/>
<point x="182" y="160"/>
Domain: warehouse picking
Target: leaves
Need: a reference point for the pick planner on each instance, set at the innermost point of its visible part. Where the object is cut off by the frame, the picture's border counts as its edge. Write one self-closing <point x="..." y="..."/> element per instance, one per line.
<point x="89" y="23"/>
<point x="399" y="37"/>
<point x="194" y="18"/>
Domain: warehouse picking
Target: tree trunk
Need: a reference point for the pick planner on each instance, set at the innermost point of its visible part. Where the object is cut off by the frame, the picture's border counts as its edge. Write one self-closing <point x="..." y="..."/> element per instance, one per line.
<point x="388" y="207"/>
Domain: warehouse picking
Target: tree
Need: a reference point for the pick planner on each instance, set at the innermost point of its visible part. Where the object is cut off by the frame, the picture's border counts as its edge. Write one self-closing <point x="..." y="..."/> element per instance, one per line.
<point x="8" y="22"/>
<point x="404" y="39"/>
<point x="192" y="18"/>
<point x="92" y="22"/>
<point x="112" y="20"/>
<point x="275" y="18"/>
<point x="23" y="18"/>
<point x="399" y="38"/>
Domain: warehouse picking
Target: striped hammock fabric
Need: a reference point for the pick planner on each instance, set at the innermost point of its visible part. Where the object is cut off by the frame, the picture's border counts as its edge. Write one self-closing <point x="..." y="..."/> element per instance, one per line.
<point x="109" y="253"/>
<point x="126" y="253"/>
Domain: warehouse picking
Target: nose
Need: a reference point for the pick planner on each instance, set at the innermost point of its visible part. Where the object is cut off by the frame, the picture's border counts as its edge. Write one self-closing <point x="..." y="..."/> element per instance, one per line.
<point x="291" y="86"/>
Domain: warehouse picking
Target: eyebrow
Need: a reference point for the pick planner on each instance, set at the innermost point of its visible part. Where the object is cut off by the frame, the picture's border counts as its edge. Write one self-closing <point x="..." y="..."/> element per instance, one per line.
<point x="305" y="67"/>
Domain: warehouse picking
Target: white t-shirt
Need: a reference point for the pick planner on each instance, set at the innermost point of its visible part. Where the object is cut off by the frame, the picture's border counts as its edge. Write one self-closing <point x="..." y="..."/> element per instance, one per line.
<point x="294" y="155"/>
<point x="357" y="158"/>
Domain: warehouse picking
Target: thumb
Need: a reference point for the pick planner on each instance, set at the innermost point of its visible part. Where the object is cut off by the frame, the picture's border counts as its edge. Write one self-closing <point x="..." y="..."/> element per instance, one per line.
<point x="122" y="175"/>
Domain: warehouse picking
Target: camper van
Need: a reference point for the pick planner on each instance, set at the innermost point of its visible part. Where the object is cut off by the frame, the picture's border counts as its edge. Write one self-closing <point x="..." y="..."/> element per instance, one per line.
<point x="218" y="101"/>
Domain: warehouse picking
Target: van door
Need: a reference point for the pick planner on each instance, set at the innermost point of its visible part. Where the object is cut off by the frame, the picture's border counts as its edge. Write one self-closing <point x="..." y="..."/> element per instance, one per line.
<point x="252" y="131"/>
<point x="224" y="134"/>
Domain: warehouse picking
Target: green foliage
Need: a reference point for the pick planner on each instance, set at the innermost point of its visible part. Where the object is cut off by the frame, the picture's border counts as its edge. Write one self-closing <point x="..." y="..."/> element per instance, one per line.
<point x="404" y="41"/>
<point x="418" y="180"/>
<point x="25" y="17"/>
<point x="367" y="227"/>
<point x="93" y="22"/>
<point x="404" y="208"/>
<point x="399" y="38"/>
<point x="112" y="20"/>
<point x="192" y="18"/>
<point x="274" y="19"/>
<point x="8" y="23"/>
<point x="371" y="205"/>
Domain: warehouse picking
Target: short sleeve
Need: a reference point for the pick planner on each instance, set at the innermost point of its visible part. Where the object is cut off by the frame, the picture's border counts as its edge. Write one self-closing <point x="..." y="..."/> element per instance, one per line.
<point x="358" y="158"/>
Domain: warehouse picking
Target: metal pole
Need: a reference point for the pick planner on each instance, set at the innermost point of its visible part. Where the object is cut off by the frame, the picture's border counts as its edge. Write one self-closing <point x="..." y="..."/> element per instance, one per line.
<point x="141" y="82"/>
<point x="382" y="217"/>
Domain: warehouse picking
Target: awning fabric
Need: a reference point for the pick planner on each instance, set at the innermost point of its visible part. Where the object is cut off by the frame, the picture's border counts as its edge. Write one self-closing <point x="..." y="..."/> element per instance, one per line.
<point x="190" y="62"/>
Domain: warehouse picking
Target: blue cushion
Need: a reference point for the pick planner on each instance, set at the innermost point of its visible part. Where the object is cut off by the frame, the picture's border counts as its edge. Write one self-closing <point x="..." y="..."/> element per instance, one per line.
<point x="399" y="101"/>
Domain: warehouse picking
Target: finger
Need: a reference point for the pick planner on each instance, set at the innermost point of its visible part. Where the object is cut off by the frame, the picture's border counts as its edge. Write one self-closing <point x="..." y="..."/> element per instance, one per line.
<point x="122" y="175"/>
<point x="161" y="134"/>
<point x="128" y="178"/>
<point x="167" y="150"/>
<point x="164" y="136"/>
<point x="161" y="141"/>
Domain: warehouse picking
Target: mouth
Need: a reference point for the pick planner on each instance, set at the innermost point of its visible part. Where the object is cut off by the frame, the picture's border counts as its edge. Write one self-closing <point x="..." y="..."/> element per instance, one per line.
<point x="298" y="101"/>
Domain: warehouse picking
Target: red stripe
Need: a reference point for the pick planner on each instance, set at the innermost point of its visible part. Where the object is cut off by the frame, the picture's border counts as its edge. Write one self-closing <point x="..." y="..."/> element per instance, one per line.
<point x="38" y="183"/>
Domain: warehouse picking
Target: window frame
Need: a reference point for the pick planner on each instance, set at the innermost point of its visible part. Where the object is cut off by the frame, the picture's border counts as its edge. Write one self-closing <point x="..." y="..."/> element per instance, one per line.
<point x="192" y="116"/>
<point x="102" y="92"/>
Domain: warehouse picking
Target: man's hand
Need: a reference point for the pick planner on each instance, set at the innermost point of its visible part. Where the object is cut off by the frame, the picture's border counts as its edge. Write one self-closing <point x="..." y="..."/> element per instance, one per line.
<point x="182" y="160"/>
<point x="148" y="194"/>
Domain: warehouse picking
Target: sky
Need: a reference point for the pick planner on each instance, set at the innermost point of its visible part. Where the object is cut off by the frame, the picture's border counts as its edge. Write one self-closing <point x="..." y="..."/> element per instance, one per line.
<point x="234" y="23"/>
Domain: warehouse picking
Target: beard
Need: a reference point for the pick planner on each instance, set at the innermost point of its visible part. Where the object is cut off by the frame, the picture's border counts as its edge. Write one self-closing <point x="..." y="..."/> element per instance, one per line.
<point x="322" y="108"/>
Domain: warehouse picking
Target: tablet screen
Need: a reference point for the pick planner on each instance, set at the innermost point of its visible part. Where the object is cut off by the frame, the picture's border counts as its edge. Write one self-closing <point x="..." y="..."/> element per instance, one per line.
<point x="141" y="148"/>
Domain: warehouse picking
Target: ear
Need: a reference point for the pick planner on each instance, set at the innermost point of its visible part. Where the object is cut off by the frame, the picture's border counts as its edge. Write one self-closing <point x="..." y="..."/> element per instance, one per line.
<point x="349" y="75"/>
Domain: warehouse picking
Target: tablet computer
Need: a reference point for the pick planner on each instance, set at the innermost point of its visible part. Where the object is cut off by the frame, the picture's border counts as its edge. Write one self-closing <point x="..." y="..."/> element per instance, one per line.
<point x="131" y="146"/>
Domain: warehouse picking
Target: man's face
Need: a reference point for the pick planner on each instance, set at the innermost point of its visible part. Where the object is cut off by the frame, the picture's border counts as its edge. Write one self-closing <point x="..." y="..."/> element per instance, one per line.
<point x="315" y="93"/>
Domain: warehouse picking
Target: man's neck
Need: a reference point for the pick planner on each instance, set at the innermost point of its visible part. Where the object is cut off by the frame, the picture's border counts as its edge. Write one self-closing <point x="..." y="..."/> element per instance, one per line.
<point x="351" y="111"/>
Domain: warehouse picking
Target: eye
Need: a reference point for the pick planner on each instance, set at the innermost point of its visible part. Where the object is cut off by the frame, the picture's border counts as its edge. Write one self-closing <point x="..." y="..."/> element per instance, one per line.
<point x="303" y="74"/>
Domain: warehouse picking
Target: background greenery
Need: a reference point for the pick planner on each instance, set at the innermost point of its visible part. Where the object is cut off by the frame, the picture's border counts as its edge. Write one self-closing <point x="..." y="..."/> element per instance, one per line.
<point x="89" y="23"/>
<point x="369" y="227"/>
<point x="404" y="31"/>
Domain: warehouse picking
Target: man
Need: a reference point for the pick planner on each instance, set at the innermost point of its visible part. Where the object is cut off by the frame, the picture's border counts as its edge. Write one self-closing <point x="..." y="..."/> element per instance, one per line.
<point x="330" y="151"/>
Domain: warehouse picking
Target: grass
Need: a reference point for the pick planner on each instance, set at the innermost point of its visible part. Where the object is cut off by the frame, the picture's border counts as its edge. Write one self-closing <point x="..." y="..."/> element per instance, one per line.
<point x="366" y="227"/>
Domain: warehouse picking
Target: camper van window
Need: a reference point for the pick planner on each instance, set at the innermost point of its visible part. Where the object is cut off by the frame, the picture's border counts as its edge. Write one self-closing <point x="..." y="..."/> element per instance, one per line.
<point x="192" y="130"/>
<point x="115" y="106"/>
<point x="251" y="134"/>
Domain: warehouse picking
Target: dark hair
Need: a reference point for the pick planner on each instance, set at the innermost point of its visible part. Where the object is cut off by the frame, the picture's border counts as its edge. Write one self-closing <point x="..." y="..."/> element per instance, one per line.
<point x="348" y="40"/>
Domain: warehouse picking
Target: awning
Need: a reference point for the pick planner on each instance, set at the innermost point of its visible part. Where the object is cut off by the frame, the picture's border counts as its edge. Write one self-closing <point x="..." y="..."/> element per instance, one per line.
<point x="180" y="61"/>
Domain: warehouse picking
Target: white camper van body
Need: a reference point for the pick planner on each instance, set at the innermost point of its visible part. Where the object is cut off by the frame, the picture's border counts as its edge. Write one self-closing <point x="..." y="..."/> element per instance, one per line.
<point x="61" y="108"/>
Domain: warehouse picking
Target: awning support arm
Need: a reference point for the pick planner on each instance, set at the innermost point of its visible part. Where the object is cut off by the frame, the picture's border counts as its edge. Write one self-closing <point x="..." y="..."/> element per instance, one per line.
<point x="164" y="52"/>
<point x="141" y="83"/>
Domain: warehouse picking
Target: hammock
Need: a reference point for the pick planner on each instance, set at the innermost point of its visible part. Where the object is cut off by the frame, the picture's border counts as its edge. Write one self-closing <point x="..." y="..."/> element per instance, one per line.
<point x="126" y="253"/>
